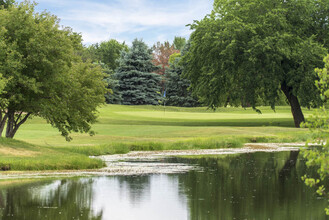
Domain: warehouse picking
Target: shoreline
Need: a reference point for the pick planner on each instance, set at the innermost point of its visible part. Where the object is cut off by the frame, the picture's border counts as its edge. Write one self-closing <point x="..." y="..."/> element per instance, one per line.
<point x="148" y="162"/>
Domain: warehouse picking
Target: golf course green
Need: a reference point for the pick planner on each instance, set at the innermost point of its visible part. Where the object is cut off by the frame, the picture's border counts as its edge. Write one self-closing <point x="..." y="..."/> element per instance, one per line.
<point x="120" y="129"/>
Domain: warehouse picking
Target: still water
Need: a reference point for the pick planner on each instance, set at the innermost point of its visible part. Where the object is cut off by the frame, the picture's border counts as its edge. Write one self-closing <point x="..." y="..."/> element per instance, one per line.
<point x="257" y="186"/>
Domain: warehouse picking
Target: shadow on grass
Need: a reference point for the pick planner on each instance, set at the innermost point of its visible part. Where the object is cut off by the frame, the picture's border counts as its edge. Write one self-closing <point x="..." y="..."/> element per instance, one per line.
<point x="280" y="122"/>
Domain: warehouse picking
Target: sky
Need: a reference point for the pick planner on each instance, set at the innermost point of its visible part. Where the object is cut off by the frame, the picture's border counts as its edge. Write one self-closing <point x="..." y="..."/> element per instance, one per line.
<point x="125" y="20"/>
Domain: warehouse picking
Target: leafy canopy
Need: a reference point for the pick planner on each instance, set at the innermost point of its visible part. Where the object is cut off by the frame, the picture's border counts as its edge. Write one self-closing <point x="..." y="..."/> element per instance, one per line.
<point x="249" y="49"/>
<point x="319" y="126"/>
<point x="6" y="3"/>
<point x="107" y="52"/>
<point x="45" y="76"/>
<point x="179" y="43"/>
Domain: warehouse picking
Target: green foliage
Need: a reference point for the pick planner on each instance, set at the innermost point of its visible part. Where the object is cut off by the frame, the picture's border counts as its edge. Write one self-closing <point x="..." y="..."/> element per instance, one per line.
<point x="107" y="52"/>
<point x="173" y="57"/>
<point x="138" y="84"/>
<point x="113" y="95"/>
<point x="177" y="88"/>
<point x="6" y="3"/>
<point x="319" y="126"/>
<point x="235" y="57"/>
<point x="45" y="76"/>
<point x="179" y="43"/>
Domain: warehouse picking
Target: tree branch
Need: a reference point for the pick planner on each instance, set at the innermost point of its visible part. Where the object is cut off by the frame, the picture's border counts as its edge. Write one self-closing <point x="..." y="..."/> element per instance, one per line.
<point x="19" y="116"/>
<point x="23" y="120"/>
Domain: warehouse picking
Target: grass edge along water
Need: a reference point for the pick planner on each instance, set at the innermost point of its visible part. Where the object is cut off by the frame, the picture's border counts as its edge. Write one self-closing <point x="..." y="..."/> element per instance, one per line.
<point x="23" y="154"/>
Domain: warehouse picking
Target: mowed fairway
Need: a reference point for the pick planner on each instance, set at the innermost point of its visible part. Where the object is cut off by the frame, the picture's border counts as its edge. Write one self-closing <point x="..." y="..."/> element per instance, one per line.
<point x="118" y="123"/>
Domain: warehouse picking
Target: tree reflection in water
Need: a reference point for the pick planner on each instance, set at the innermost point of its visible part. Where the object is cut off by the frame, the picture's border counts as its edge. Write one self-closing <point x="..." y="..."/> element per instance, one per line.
<point x="251" y="186"/>
<point x="138" y="187"/>
<point x="246" y="186"/>
<point x="62" y="199"/>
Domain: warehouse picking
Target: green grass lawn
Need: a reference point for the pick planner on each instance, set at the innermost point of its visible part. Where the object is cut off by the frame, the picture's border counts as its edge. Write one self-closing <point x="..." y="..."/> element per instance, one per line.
<point x="121" y="129"/>
<point x="151" y="124"/>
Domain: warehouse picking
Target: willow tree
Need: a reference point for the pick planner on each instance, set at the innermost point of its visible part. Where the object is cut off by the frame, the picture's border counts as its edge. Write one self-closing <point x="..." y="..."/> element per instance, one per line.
<point x="44" y="76"/>
<point x="246" y="49"/>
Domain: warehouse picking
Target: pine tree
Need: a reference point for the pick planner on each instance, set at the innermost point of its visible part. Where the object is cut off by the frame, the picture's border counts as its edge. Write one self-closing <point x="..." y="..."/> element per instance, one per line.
<point x="177" y="87"/>
<point x="138" y="83"/>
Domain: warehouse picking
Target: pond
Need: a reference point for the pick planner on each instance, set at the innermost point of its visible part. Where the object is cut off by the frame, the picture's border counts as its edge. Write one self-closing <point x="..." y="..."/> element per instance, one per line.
<point x="243" y="186"/>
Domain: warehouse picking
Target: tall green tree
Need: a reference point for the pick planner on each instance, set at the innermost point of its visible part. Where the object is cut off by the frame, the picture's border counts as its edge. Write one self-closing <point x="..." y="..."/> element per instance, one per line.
<point x="107" y="52"/>
<point x="319" y="126"/>
<point x="113" y="95"/>
<point x="139" y="84"/>
<point x="177" y="87"/>
<point x="6" y="3"/>
<point x="250" y="48"/>
<point x="179" y="43"/>
<point x="45" y="76"/>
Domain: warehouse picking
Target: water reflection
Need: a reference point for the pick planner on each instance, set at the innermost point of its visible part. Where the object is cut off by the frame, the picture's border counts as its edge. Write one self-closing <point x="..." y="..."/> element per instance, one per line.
<point x="246" y="186"/>
<point x="124" y="199"/>
<point x="251" y="186"/>
<point x="60" y="199"/>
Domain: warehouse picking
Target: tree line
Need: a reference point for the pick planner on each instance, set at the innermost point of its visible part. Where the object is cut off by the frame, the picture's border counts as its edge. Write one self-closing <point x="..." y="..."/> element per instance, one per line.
<point x="231" y="58"/>
<point x="46" y="71"/>
<point x="142" y="75"/>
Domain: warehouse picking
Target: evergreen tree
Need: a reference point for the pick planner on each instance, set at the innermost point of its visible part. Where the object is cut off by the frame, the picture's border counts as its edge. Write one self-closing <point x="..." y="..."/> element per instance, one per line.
<point x="113" y="96"/>
<point x="138" y="83"/>
<point x="177" y="87"/>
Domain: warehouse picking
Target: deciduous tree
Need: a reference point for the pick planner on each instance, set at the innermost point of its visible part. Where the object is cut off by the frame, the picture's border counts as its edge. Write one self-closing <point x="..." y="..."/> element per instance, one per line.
<point x="179" y="43"/>
<point x="319" y="125"/>
<point x="250" y="48"/>
<point x="6" y="3"/>
<point x="108" y="52"/>
<point x="161" y="55"/>
<point x="45" y="76"/>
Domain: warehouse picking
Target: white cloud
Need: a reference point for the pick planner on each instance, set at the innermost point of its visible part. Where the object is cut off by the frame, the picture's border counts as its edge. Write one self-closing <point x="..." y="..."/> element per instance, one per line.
<point x="127" y="19"/>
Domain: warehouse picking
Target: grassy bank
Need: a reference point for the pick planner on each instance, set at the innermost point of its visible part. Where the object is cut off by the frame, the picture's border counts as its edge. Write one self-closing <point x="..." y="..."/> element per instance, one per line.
<point x="19" y="155"/>
<point x="121" y="129"/>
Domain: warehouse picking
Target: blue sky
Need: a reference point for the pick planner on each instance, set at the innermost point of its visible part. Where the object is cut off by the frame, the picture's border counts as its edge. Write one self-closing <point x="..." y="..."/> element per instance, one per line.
<point x="125" y="20"/>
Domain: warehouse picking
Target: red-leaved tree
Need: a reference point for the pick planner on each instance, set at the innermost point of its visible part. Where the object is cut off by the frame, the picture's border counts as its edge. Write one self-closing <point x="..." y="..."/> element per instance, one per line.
<point x="161" y="55"/>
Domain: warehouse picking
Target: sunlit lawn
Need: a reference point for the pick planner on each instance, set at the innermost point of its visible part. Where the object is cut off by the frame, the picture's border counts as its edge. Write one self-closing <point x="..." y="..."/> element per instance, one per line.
<point x="155" y="124"/>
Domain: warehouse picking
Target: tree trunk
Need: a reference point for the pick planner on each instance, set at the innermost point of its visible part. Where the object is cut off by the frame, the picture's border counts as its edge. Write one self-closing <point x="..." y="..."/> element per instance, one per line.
<point x="294" y="104"/>
<point x="10" y="124"/>
<point x="289" y="164"/>
<point x="3" y="123"/>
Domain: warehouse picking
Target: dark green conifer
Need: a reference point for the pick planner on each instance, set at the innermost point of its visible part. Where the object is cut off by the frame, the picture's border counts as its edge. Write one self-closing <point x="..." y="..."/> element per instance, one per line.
<point x="113" y="96"/>
<point x="138" y="83"/>
<point x="177" y="87"/>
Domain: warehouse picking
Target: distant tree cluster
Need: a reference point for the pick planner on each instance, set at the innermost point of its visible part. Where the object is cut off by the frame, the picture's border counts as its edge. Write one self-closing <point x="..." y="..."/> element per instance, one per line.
<point x="139" y="75"/>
